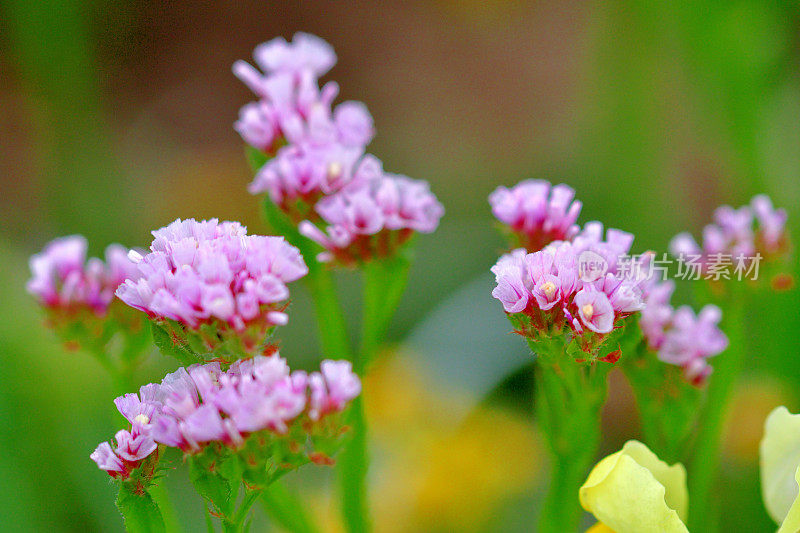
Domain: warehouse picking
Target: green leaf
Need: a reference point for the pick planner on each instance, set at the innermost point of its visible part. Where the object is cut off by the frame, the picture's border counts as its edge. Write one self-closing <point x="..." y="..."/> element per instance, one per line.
<point x="574" y="350"/>
<point x="167" y="346"/>
<point x="215" y="489"/>
<point x="211" y="476"/>
<point x="140" y="512"/>
<point x="209" y="521"/>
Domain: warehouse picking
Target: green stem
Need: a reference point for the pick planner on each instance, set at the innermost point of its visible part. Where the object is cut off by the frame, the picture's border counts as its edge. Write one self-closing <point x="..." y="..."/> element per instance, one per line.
<point x="236" y="524"/>
<point x="330" y="318"/>
<point x="561" y="510"/>
<point x="569" y="399"/>
<point x="160" y="496"/>
<point x="721" y="386"/>
<point x="668" y="404"/>
<point x="384" y="283"/>
<point x="353" y="465"/>
<point x="286" y="510"/>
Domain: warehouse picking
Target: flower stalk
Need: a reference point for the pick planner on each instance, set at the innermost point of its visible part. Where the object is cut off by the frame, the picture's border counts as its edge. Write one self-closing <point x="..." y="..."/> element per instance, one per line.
<point x="704" y="464"/>
<point x="569" y="400"/>
<point x="330" y="317"/>
<point x="667" y="403"/>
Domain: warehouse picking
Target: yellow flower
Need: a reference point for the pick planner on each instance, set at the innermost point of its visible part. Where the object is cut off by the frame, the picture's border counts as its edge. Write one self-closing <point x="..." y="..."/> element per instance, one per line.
<point x="780" y="468"/>
<point x="633" y="491"/>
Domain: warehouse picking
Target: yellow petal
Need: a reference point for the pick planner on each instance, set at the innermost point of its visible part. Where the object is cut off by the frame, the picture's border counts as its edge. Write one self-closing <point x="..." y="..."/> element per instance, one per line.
<point x="633" y="491"/>
<point x="780" y="457"/>
<point x="792" y="522"/>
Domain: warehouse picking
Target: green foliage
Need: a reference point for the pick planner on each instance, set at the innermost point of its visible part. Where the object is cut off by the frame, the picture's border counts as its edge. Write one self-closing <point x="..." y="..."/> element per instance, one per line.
<point x="140" y="512"/>
<point x="668" y="405"/>
<point x="215" y="475"/>
<point x="171" y="345"/>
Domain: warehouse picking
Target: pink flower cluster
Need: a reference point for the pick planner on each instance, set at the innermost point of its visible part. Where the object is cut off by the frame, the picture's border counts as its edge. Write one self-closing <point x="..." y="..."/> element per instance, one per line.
<point x="374" y="218"/>
<point x="569" y="284"/>
<point x="324" y="143"/>
<point x="679" y="336"/>
<point x="537" y="213"/>
<point x="193" y="407"/>
<point x="64" y="280"/>
<point x="739" y="234"/>
<point x="203" y="272"/>
<point x="301" y="174"/>
<point x="318" y="171"/>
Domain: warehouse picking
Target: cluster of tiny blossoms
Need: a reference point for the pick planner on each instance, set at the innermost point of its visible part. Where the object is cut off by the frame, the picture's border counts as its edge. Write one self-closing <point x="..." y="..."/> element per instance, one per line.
<point x="374" y="219"/>
<point x="583" y="286"/>
<point x="256" y="399"/>
<point x="558" y="288"/>
<point x="212" y="279"/>
<point x="537" y="213"/>
<point x="317" y="170"/>
<point x="77" y="296"/>
<point x="679" y="336"/>
<point x="314" y="149"/>
<point x="737" y="235"/>
<point x="64" y="281"/>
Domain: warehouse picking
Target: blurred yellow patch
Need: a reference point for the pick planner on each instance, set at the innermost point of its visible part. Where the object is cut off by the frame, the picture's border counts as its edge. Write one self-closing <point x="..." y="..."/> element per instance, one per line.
<point x="752" y="403"/>
<point x="432" y="471"/>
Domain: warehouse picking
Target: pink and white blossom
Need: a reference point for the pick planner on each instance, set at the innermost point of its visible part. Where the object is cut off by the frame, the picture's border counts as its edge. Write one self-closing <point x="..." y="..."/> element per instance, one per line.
<point x="209" y="271"/>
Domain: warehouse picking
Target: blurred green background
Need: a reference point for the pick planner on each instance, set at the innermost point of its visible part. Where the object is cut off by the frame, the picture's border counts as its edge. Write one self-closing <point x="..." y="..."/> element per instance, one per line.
<point x="116" y="119"/>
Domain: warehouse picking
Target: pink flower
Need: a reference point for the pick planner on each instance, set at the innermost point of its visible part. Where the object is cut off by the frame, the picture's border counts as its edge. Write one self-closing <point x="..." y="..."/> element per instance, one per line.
<point x="317" y="171"/>
<point x="692" y="339"/>
<point x="137" y="411"/>
<point x="373" y="218"/>
<point x="134" y="445"/>
<point x="64" y="279"/>
<point x="211" y="272"/>
<point x="342" y="384"/>
<point x="623" y="294"/>
<point x="293" y="108"/>
<point x="203" y="404"/>
<point x="536" y="212"/>
<point x="512" y="289"/>
<point x="306" y="52"/>
<point x="306" y="172"/>
<point x="549" y="290"/>
<point x="679" y="336"/>
<point x="736" y="236"/>
<point x="259" y="125"/>
<point x="771" y="222"/>
<point x="107" y="460"/>
<point x="353" y="123"/>
<point x="595" y="310"/>
<point x="657" y="313"/>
